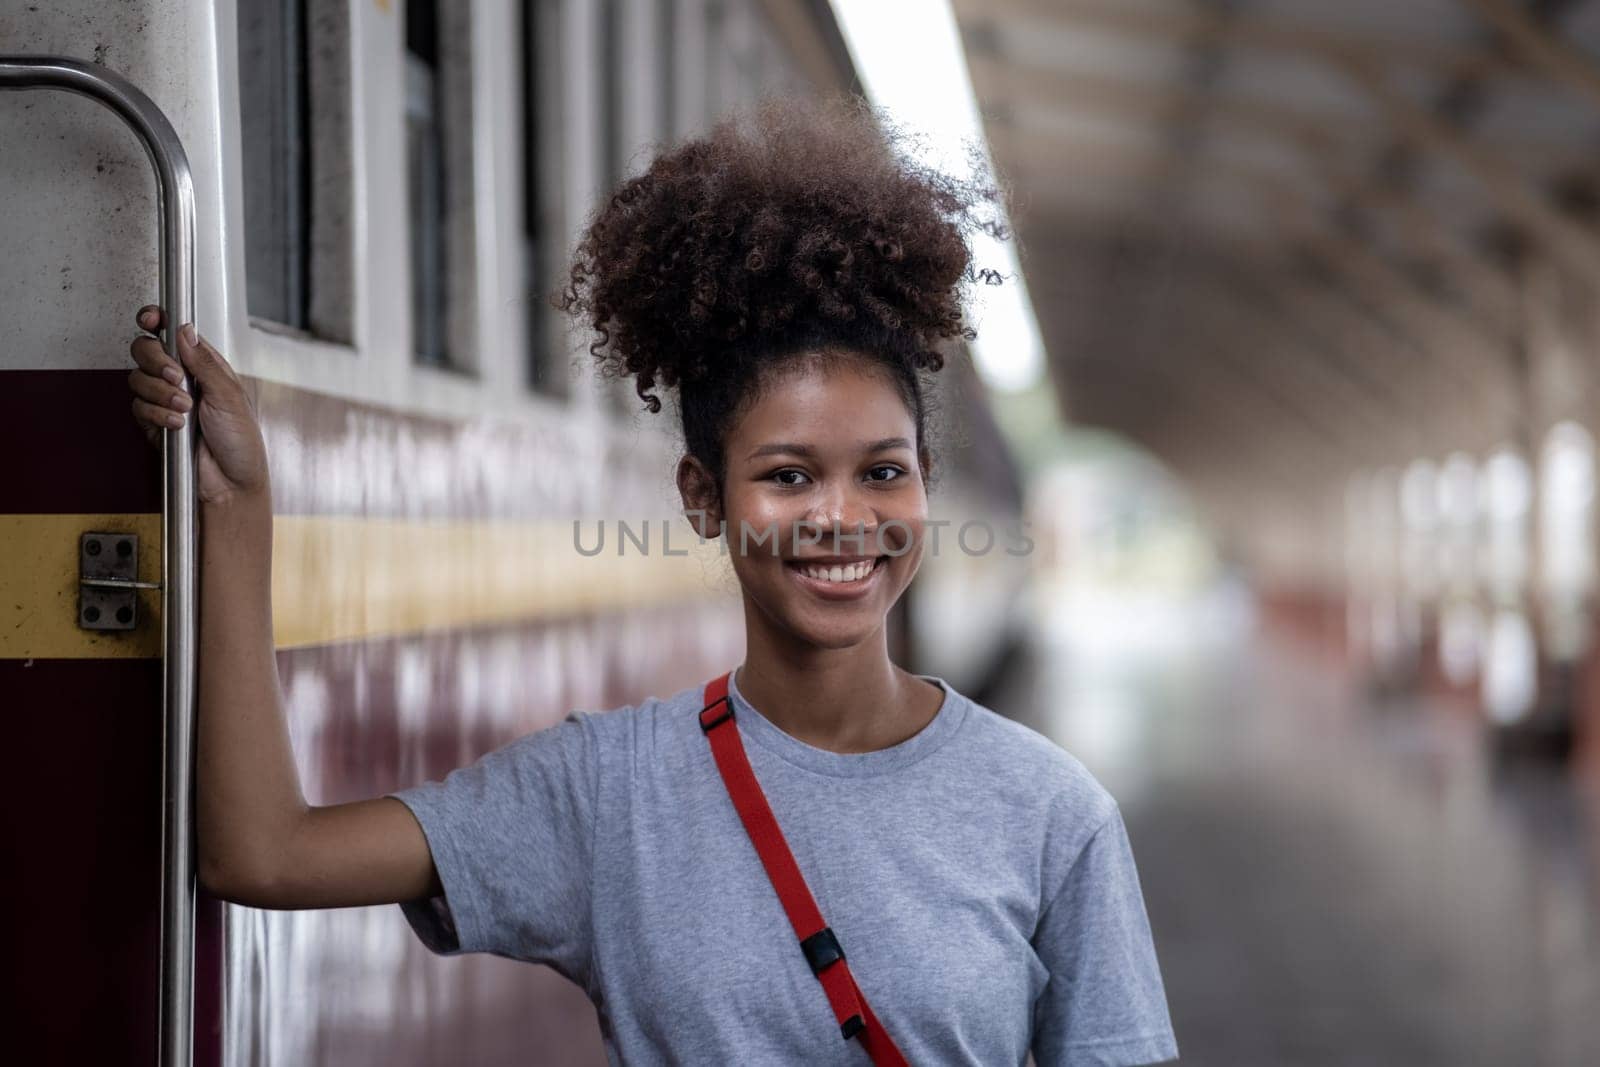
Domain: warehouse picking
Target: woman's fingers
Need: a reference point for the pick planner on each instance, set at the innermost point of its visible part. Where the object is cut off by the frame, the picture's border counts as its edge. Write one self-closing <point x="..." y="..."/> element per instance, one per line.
<point x="154" y="361"/>
<point x="160" y="401"/>
<point x="203" y="361"/>
<point x="153" y="415"/>
<point x="159" y="391"/>
<point x="218" y="384"/>
<point x="210" y="370"/>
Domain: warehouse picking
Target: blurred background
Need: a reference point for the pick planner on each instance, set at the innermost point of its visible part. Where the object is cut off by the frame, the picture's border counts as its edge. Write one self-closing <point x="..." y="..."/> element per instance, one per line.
<point x="1292" y="378"/>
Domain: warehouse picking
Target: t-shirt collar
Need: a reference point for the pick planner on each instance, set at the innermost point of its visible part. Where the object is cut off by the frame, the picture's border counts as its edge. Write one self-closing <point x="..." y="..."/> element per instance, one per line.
<point x="764" y="732"/>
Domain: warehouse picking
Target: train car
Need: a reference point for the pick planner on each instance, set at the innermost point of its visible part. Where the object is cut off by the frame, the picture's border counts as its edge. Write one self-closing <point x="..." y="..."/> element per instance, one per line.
<point x="384" y="193"/>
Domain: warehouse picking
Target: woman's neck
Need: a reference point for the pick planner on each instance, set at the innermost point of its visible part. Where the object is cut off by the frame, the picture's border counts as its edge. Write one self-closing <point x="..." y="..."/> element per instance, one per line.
<point x="845" y="700"/>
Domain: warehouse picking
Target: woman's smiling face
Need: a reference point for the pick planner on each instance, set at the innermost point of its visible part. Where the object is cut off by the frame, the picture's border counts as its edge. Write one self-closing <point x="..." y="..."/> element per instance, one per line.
<point x="828" y="445"/>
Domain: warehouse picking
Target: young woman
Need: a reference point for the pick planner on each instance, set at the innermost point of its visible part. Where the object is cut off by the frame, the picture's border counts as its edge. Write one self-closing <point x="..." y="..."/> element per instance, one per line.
<point x="790" y="277"/>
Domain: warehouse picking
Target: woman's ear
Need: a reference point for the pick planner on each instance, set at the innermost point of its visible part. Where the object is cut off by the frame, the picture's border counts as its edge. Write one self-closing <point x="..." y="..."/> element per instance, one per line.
<point x="701" y="504"/>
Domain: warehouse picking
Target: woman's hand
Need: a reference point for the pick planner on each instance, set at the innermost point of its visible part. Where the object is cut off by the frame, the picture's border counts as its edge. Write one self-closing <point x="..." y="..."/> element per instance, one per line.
<point x="230" y="457"/>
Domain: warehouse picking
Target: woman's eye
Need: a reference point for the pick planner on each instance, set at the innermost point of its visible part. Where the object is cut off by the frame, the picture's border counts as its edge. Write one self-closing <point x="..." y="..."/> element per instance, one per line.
<point x="791" y="476"/>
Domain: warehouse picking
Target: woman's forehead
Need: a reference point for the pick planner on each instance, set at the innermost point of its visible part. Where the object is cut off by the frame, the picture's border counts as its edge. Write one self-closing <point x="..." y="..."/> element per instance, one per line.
<point x="839" y="444"/>
<point x="827" y="401"/>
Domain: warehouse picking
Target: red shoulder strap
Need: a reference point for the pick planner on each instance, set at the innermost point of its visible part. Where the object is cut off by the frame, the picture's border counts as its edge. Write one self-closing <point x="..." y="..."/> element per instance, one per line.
<point x="817" y="942"/>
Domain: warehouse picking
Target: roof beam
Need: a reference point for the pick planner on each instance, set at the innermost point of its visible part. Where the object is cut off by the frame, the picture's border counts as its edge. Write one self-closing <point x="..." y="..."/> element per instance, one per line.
<point x="1429" y="238"/>
<point x="1563" y="236"/>
<point x="1440" y="399"/>
<point x="1430" y="323"/>
<point x="1434" y="324"/>
<point x="1541" y="49"/>
<point x="1155" y="402"/>
<point x="1321" y="151"/>
<point x="1226" y="323"/>
<point x="1425" y="237"/>
<point x="1355" y="386"/>
<point x="1215" y="450"/>
<point x="1285" y="388"/>
<point x="1365" y="66"/>
<point x="1212" y="25"/>
<point x="1247" y="390"/>
<point x="1071" y="89"/>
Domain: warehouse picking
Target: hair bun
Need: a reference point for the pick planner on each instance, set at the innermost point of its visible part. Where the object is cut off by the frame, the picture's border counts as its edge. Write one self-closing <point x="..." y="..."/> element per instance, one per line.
<point x="797" y="219"/>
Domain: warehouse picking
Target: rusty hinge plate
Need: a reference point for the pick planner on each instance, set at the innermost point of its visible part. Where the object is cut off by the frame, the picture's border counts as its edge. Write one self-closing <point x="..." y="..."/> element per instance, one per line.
<point x="108" y="585"/>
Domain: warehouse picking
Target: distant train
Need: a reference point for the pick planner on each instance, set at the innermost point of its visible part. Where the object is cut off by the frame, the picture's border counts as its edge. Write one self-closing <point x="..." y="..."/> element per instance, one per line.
<point x="384" y="191"/>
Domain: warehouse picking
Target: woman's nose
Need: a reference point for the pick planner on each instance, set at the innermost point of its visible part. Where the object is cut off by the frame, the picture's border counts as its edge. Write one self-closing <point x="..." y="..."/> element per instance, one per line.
<point x="839" y="511"/>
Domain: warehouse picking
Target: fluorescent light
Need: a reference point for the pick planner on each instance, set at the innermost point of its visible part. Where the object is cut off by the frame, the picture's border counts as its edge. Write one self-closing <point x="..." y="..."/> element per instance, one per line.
<point x="908" y="55"/>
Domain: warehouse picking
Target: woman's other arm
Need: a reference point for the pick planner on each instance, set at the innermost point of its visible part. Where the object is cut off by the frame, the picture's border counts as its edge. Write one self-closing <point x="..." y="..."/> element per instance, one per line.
<point x="260" y="843"/>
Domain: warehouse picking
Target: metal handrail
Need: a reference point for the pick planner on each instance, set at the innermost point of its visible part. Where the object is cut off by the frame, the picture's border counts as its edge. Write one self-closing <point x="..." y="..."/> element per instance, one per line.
<point x="175" y="191"/>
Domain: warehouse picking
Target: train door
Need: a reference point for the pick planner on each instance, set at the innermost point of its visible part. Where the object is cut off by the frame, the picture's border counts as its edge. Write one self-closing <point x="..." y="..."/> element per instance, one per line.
<point x="96" y="597"/>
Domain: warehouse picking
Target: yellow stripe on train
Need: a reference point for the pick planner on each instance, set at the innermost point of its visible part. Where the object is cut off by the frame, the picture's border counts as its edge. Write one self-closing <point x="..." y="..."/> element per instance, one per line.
<point x="39" y="588"/>
<point x="349" y="578"/>
<point x="338" y="579"/>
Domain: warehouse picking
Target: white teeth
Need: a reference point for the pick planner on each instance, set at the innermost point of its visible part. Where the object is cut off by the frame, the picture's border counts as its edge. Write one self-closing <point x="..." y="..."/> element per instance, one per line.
<point x="853" y="572"/>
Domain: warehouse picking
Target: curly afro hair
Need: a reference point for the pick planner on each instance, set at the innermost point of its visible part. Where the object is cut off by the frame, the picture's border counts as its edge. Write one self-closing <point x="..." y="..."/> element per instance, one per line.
<point x="797" y="228"/>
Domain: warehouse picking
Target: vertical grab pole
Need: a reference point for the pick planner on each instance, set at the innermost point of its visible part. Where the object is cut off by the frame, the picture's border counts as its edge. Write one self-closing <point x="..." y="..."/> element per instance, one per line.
<point x="179" y="576"/>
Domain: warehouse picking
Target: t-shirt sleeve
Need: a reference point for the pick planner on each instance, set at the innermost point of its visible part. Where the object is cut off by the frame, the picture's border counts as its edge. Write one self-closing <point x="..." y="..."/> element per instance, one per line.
<point x="1104" y="1003"/>
<point x="512" y="839"/>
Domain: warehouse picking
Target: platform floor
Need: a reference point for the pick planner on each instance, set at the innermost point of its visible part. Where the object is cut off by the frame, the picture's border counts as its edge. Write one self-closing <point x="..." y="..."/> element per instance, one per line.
<point x="1330" y="881"/>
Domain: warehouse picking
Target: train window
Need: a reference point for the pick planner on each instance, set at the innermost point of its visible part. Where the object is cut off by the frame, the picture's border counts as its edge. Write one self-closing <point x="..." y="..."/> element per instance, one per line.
<point x="1419" y="549"/>
<point x="1505" y="500"/>
<point x="1566" y="538"/>
<point x="1355" y="563"/>
<point x="1566" y="510"/>
<point x="718" y="95"/>
<point x="627" y="47"/>
<point x="666" y="69"/>
<point x="1510" y="658"/>
<point x="295" y="162"/>
<point x="272" y="57"/>
<point x="439" y="181"/>
<point x="611" y="75"/>
<point x="1382" y="510"/>
<point x="689" y="66"/>
<point x="1461" y="623"/>
<point x="1419" y="499"/>
<point x="541" y="188"/>
<point x="744" y="54"/>
<point x="425" y="174"/>
<point x="1509" y="684"/>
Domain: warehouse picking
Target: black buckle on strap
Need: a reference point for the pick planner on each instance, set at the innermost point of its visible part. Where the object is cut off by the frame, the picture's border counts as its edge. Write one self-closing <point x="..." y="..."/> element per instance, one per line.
<point x="821" y="949"/>
<point x="727" y="713"/>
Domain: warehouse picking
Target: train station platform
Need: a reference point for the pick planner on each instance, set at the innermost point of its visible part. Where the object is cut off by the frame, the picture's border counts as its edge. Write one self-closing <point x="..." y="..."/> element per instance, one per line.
<point x="1330" y="880"/>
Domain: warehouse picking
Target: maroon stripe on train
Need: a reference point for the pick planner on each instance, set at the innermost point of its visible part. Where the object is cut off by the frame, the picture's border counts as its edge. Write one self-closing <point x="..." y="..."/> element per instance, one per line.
<point x="72" y="445"/>
<point x="85" y="850"/>
<point x="75" y="448"/>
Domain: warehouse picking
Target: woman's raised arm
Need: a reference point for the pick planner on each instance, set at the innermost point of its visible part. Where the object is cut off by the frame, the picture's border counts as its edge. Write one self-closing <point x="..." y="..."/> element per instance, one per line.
<point x="259" y="842"/>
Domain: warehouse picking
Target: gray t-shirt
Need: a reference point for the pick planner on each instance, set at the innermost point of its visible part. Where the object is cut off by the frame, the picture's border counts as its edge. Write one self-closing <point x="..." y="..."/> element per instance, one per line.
<point x="978" y="878"/>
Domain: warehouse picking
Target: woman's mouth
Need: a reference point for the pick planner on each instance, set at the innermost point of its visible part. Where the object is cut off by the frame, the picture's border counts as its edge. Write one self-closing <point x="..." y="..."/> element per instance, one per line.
<point x="836" y="580"/>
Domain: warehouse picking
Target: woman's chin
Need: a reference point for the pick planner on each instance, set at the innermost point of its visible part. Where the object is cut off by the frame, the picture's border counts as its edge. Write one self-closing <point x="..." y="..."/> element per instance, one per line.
<point x="837" y="633"/>
<point x="821" y="622"/>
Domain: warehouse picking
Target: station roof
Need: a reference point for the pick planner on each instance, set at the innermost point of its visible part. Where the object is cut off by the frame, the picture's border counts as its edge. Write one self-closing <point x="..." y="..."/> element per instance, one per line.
<point x="1275" y="240"/>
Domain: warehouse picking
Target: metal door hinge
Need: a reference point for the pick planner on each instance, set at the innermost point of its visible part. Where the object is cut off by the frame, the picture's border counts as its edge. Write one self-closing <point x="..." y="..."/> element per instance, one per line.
<point x="108" y="585"/>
